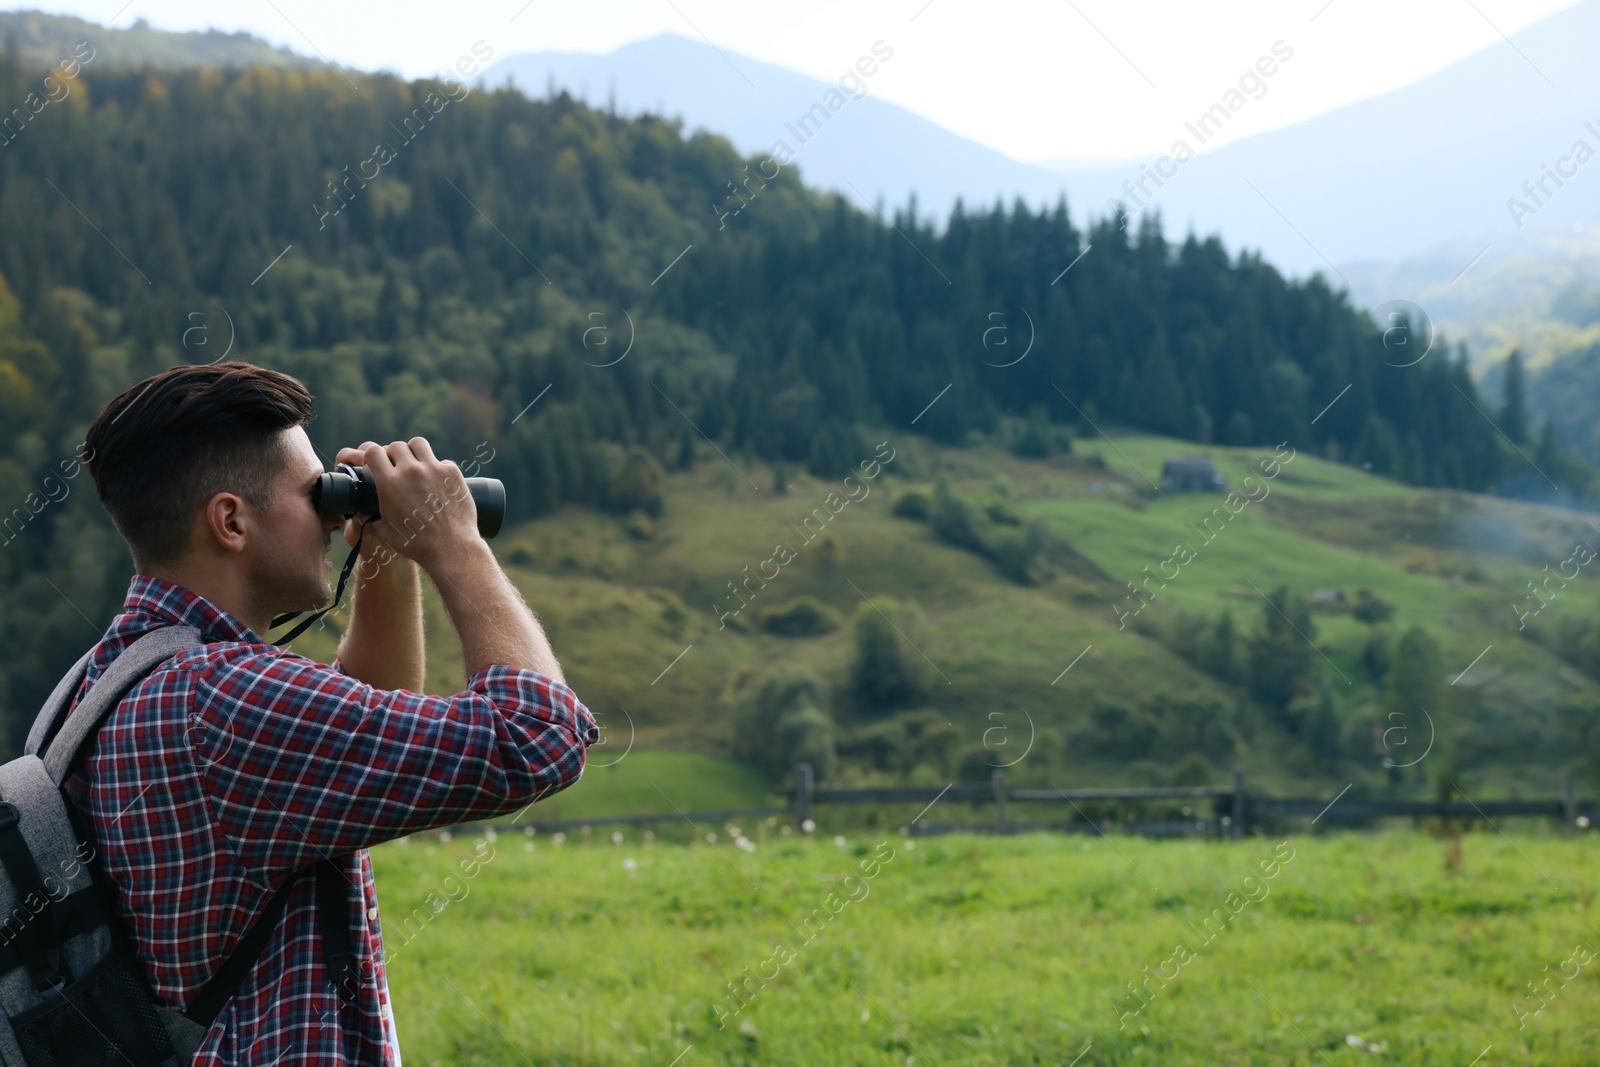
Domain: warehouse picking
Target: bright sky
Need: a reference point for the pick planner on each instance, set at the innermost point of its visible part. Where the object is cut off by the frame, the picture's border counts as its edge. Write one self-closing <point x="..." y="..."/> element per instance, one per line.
<point x="1078" y="79"/>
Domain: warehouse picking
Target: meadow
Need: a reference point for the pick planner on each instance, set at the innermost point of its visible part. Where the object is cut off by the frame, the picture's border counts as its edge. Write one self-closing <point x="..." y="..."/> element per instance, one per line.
<point x="1393" y="947"/>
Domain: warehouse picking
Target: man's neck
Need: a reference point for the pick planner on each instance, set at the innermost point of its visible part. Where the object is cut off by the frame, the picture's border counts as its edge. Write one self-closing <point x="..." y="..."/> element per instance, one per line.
<point x="223" y="589"/>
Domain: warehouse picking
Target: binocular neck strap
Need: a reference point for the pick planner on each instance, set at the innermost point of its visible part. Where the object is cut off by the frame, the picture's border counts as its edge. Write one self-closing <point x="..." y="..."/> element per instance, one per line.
<point x="338" y="593"/>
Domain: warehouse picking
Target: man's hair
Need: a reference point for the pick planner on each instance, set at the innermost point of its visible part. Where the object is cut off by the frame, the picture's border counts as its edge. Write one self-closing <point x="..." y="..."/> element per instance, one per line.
<point x="167" y="445"/>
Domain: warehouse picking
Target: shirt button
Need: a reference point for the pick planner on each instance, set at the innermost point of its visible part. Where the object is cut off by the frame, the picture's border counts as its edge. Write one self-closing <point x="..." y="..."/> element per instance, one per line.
<point x="372" y="913"/>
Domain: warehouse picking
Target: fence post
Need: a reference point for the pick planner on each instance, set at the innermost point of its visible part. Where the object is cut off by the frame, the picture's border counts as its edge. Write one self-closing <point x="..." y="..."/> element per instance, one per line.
<point x="1002" y="823"/>
<point x="802" y="795"/>
<point x="1569" y="804"/>
<point x="1238" y="803"/>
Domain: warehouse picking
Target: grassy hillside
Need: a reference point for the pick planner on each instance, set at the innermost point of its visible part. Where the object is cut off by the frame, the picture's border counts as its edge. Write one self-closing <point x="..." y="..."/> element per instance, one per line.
<point x="634" y="624"/>
<point x="966" y="950"/>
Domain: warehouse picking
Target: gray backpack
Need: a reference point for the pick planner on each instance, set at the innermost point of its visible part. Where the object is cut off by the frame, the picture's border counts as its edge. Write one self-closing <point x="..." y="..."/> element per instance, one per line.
<point x="71" y="990"/>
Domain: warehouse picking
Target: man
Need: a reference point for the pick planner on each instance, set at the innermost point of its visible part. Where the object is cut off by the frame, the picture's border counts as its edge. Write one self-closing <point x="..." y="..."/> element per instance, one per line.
<point x="238" y="764"/>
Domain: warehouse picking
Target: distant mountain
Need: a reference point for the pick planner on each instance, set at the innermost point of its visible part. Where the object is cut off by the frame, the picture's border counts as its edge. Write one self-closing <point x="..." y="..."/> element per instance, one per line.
<point x="45" y="40"/>
<point x="1431" y="164"/>
<point x="1393" y="177"/>
<point x="856" y="144"/>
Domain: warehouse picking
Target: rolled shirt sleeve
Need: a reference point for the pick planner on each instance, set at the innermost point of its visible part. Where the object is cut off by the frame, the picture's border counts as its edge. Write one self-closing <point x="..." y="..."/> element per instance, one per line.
<point x="302" y="761"/>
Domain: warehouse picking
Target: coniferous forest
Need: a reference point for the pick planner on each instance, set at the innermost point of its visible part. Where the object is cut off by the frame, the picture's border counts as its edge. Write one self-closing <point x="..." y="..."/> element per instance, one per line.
<point x="560" y="284"/>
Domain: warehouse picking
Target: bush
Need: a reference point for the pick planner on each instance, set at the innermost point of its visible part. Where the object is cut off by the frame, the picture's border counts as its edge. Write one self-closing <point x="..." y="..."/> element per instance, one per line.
<point x="1211" y="645"/>
<point x="885" y="673"/>
<point x="1191" y="770"/>
<point x="1117" y="730"/>
<point x="1165" y="726"/>
<point x="783" y="719"/>
<point x="1370" y="608"/>
<point x="1414" y="679"/>
<point x="1578" y="642"/>
<point x="1002" y="514"/>
<point x="1036" y="437"/>
<point x="1016" y="554"/>
<point x="804" y="735"/>
<point x="913" y="504"/>
<point x="954" y="521"/>
<point x="1281" y="653"/>
<point x="639" y="526"/>
<point x="1376" y="655"/>
<point x="882" y="745"/>
<point x="636" y="483"/>
<point x="801" y="617"/>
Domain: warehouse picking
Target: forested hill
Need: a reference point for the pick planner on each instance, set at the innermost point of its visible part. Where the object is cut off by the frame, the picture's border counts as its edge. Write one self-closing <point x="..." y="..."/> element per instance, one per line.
<point x="559" y="284"/>
<point x="46" y="39"/>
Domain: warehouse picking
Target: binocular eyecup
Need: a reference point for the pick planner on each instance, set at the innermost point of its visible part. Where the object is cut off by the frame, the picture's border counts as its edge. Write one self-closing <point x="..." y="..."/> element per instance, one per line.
<point x="349" y="490"/>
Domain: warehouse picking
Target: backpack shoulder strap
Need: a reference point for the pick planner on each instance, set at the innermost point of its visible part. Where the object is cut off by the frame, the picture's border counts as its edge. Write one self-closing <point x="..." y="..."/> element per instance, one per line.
<point x="207" y="1003"/>
<point x="333" y="917"/>
<point x="55" y="706"/>
<point x="130" y="667"/>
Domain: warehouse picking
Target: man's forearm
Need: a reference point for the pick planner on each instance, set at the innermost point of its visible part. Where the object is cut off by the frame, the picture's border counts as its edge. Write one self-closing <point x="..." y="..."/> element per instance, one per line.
<point x="494" y="622"/>
<point x="384" y="645"/>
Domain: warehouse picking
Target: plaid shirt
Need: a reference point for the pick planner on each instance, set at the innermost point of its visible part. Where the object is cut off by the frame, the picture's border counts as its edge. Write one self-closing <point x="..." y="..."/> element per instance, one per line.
<point x="237" y="764"/>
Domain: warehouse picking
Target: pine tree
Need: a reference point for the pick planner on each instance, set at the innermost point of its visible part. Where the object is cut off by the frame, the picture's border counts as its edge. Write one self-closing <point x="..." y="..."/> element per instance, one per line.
<point x="1513" y="401"/>
<point x="1281" y="653"/>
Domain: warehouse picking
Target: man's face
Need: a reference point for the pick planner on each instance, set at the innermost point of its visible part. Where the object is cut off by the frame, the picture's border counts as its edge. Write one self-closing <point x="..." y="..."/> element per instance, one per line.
<point x="290" y="570"/>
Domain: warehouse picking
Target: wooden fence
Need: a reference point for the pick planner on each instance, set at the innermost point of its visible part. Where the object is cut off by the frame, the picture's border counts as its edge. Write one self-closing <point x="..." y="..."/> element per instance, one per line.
<point x="1233" y="808"/>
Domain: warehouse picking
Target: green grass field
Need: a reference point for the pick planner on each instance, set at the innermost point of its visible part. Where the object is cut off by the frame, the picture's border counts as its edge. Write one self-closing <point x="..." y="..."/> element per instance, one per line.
<point x="964" y="950"/>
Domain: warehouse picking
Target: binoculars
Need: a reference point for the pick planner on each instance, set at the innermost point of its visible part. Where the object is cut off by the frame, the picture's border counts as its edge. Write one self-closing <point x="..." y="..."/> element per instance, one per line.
<point x="349" y="490"/>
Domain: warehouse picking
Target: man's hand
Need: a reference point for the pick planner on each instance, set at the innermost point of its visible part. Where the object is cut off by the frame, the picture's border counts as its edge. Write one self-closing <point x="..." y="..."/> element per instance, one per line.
<point x="429" y="517"/>
<point x="428" y="513"/>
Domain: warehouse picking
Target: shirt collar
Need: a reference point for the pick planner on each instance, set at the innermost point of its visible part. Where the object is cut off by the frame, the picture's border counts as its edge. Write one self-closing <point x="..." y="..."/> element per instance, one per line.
<point x="156" y="598"/>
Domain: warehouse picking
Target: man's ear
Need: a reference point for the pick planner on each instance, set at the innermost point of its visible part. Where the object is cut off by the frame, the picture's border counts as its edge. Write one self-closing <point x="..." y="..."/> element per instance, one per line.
<point x="227" y="521"/>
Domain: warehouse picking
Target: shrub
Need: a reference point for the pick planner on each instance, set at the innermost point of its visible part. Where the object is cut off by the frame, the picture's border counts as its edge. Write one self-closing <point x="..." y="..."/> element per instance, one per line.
<point x="639" y="525"/>
<point x="1002" y="514"/>
<point x="954" y="521"/>
<point x="783" y="719"/>
<point x="1117" y="730"/>
<point x="913" y="504"/>
<point x="1191" y="770"/>
<point x="1376" y="654"/>
<point x="883" y="745"/>
<point x="1017" y="554"/>
<point x="884" y="674"/>
<point x="1036" y="437"/>
<point x="801" y="617"/>
<point x="1370" y="608"/>
<point x="636" y="483"/>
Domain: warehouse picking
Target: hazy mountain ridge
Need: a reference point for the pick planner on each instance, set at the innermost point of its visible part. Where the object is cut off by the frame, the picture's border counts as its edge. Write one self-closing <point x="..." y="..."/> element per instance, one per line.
<point x="1383" y="179"/>
<point x="869" y="148"/>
